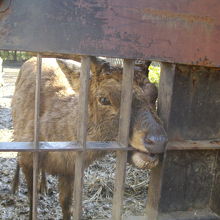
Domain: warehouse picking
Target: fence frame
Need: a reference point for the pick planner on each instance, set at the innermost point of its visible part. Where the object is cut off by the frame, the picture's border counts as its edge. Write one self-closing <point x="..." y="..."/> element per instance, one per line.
<point x="81" y="146"/>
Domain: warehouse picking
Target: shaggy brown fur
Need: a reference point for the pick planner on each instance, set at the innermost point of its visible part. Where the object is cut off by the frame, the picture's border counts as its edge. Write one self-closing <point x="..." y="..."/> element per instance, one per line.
<point x="59" y="117"/>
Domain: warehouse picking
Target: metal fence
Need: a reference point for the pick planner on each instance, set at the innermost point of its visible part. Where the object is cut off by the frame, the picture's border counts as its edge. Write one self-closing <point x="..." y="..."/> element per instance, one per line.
<point x="81" y="145"/>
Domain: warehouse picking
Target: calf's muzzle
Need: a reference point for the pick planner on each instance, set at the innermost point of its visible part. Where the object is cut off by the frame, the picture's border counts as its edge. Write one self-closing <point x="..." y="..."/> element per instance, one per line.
<point x="149" y="138"/>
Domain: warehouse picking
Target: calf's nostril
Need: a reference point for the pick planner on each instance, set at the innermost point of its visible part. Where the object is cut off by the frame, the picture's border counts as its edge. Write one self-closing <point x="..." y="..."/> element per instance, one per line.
<point x="156" y="139"/>
<point x="149" y="141"/>
<point x="155" y="144"/>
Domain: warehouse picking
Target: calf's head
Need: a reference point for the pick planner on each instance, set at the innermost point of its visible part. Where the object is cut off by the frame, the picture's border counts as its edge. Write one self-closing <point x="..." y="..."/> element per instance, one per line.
<point x="146" y="135"/>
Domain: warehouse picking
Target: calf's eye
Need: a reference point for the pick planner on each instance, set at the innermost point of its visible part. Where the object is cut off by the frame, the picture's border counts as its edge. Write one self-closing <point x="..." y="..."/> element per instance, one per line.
<point x="104" y="101"/>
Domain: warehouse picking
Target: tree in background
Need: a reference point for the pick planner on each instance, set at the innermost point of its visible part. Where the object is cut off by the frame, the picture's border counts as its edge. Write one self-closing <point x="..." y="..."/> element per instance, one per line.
<point x="14" y="55"/>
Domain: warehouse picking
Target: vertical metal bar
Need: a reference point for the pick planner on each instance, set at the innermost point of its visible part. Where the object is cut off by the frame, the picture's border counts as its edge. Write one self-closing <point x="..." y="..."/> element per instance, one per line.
<point x="124" y="124"/>
<point x="36" y="136"/>
<point x="81" y="135"/>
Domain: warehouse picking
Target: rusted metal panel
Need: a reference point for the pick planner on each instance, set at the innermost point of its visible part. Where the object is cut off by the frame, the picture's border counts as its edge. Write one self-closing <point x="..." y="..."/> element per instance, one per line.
<point x="185" y="31"/>
<point x="190" y="102"/>
<point x="204" y="214"/>
<point x="215" y="198"/>
<point x="186" y="181"/>
<point x="184" y="187"/>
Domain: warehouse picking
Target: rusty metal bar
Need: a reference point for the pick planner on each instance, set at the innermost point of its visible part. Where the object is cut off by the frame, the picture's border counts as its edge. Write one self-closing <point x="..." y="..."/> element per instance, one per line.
<point x="81" y="135"/>
<point x="105" y="146"/>
<point x="129" y="218"/>
<point x="124" y="124"/>
<point x="36" y="136"/>
<point x="61" y="146"/>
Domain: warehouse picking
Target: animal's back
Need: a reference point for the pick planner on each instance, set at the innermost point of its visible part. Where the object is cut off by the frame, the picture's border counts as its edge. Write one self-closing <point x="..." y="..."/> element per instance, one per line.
<point x="56" y="119"/>
<point x="54" y="89"/>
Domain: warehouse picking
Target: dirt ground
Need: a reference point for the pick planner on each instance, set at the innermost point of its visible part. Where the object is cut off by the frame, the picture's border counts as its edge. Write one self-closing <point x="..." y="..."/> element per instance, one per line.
<point x="98" y="179"/>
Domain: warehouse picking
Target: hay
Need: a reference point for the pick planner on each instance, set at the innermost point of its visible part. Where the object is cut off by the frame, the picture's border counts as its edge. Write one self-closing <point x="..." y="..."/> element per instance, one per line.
<point x="99" y="187"/>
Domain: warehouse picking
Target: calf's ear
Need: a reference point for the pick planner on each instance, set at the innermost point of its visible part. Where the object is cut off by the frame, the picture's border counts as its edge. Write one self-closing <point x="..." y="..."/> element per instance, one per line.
<point x="143" y="66"/>
<point x="151" y="93"/>
<point x="99" y="66"/>
<point x="141" y="77"/>
<point x="71" y="69"/>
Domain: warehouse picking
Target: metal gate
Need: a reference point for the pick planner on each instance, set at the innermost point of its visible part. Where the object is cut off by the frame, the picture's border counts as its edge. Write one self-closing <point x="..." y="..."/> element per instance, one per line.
<point x="81" y="145"/>
<point x="184" y="36"/>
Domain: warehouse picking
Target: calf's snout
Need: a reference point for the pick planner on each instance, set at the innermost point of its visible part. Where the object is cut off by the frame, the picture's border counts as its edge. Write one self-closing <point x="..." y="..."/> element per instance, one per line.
<point x="155" y="143"/>
<point x="148" y="134"/>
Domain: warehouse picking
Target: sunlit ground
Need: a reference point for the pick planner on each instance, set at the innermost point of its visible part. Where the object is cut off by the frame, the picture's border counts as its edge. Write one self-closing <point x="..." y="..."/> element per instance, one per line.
<point x="8" y="154"/>
<point x="6" y="93"/>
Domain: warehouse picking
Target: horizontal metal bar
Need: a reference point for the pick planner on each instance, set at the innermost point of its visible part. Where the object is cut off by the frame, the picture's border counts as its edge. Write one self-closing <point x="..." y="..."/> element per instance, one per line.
<point x="130" y="218"/>
<point x="96" y="145"/>
<point x="203" y="214"/>
<point x="61" y="146"/>
<point x="81" y="135"/>
<point x="194" y="145"/>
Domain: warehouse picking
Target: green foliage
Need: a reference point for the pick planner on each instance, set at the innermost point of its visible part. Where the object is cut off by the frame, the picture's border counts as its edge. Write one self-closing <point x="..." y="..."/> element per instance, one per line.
<point x="14" y="55"/>
<point x="154" y="74"/>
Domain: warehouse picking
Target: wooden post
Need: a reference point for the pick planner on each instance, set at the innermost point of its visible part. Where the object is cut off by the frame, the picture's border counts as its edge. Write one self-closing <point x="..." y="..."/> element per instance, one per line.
<point x="81" y="136"/>
<point x="36" y="137"/>
<point x="185" y="186"/>
<point x="124" y="124"/>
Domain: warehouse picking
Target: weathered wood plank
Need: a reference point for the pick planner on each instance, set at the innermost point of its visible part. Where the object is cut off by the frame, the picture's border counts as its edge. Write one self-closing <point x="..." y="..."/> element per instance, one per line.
<point x="165" y="92"/>
<point x="36" y="137"/>
<point x="81" y="136"/>
<point x="154" y="191"/>
<point x="193" y="145"/>
<point x="124" y="124"/>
